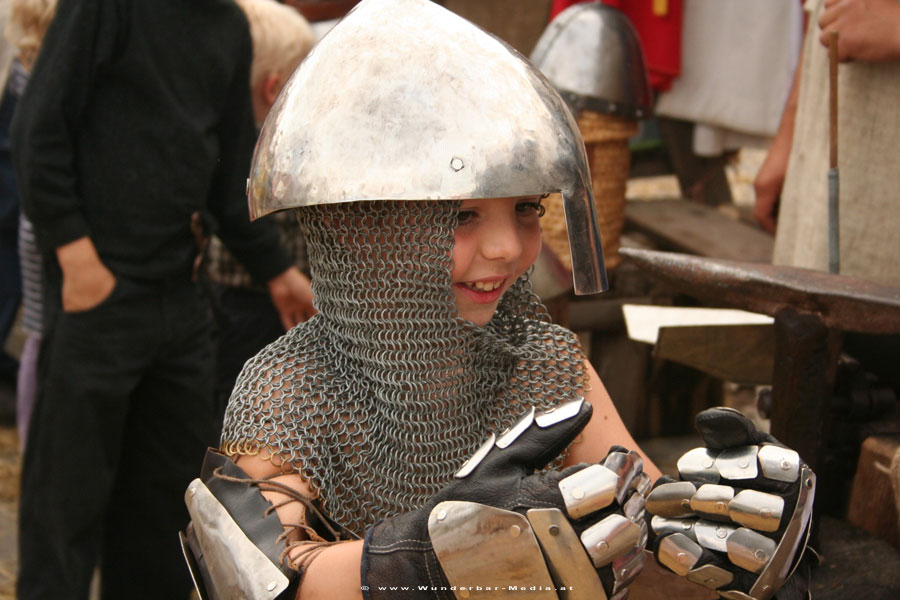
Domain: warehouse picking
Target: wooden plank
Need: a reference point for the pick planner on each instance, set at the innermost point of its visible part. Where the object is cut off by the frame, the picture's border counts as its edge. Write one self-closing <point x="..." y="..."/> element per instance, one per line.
<point x="738" y="353"/>
<point x="684" y="226"/>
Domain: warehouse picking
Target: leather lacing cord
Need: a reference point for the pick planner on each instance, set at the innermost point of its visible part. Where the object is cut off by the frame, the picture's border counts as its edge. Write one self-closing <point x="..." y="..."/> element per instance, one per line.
<point x="311" y="547"/>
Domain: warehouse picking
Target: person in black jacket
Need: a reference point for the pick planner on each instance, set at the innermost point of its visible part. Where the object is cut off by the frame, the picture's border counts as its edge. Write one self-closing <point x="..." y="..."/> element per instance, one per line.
<point x="136" y="117"/>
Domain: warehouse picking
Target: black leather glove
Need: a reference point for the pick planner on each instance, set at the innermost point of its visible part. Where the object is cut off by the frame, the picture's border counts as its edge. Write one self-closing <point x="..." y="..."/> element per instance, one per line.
<point x="496" y="489"/>
<point x="738" y="520"/>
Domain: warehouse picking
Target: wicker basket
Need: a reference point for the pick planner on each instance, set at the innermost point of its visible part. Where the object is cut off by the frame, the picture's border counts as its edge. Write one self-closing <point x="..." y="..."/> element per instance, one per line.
<point x="606" y="141"/>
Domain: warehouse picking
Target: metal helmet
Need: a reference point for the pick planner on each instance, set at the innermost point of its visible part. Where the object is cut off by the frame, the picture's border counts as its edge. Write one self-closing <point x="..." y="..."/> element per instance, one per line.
<point x="404" y="100"/>
<point x="592" y="54"/>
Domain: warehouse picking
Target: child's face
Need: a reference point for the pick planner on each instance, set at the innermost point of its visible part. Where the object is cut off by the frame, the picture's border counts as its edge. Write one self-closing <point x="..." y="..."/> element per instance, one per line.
<point x="497" y="240"/>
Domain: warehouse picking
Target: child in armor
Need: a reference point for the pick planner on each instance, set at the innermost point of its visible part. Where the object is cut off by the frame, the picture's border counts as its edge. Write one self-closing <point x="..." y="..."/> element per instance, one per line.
<point x="397" y="443"/>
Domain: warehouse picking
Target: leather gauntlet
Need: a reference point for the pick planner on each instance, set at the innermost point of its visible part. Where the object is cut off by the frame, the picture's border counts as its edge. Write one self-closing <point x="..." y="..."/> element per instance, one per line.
<point x="738" y="521"/>
<point x="501" y="527"/>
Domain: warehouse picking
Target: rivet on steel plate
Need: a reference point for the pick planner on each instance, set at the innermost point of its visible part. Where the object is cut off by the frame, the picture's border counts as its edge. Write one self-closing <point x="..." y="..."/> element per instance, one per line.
<point x="457" y="164"/>
<point x="683" y="557"/>
<point x="464" y="593"/>
<point x="193" y="491"/>
<point x="602" y="546"/>
<point x="578" y="493"/>
<point x="760" y="555"/>
<point x="765" y="512"/>
<point x="271" y="586"/>
<point x="553" y="530"/>
<point x="785" y="465"/>
<point x="744" y="463"/>
<point x="721" y="533"/>
<point x="686" y="503"/>
<point x="720" y="507"/>
<point x="708" y="463"/>
<point x="515" y="531"/>
<point x="441" y="515"/>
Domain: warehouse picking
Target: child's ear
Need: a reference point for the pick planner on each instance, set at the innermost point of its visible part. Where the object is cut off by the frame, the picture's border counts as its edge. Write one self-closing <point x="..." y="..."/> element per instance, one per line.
<point x="271" y="86"/>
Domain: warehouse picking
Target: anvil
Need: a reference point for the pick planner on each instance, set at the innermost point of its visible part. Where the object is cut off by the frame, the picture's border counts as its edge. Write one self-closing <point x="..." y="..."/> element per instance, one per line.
<point x="811" y="310"/>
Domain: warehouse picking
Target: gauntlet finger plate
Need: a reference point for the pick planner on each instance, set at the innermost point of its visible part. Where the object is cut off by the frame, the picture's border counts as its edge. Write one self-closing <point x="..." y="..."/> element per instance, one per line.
<point x="486" y="548"/>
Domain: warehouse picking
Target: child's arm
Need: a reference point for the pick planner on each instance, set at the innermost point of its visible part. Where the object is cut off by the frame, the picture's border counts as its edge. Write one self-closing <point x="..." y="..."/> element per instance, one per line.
<point x="421" y="548"/>
<point x="335" y="573"/>
<point x="605" y="429"/>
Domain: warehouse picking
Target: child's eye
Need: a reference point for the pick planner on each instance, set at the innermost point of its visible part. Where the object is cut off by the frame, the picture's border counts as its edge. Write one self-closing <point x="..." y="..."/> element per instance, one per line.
<point x="464" y="216"/>
<point x="531" y="208"/>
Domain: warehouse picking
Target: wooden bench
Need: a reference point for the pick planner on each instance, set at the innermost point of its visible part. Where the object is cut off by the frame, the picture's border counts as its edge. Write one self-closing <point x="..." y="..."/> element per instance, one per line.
<point x="685" y="226"/>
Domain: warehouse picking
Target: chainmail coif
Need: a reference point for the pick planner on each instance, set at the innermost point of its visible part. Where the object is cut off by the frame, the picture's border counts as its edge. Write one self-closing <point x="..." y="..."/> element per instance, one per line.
<point x="379" y="398"/>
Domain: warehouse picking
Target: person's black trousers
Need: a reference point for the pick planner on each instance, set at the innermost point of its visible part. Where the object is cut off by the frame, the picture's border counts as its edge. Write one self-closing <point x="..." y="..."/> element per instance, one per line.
<point x="123" y="417"/>
<point x="247" y="322"/>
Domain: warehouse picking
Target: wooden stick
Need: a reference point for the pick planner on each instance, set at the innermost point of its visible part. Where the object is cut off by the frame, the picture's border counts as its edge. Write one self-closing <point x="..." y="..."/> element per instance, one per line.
<point x="833" y="97"/>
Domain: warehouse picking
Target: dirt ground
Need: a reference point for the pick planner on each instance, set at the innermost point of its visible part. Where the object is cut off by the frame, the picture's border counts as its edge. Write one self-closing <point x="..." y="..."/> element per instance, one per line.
<point x="9" y="491"/>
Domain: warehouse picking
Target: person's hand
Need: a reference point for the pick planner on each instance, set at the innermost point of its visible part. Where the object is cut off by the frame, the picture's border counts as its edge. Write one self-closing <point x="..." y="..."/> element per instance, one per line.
<point x="869" y="30"/>
<point x="86" y="280"/>
<point x="738" y="519"/>
<point x="292" y="296"/>
<point x="767" y="185"/>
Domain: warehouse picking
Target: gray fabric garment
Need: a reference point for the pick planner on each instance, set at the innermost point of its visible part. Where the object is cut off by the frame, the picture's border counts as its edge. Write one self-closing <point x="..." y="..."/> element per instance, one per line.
<point x="32" y="279"/>
<point x="380" y="398"/>
<point x="868" y="122"/>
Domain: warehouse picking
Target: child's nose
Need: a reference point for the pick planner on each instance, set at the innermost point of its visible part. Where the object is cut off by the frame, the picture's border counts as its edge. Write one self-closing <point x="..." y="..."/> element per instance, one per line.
<point x="501" y="242"/>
